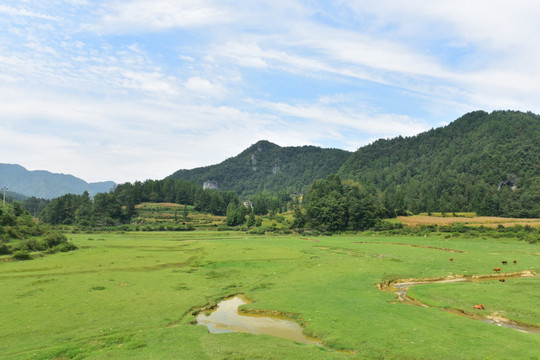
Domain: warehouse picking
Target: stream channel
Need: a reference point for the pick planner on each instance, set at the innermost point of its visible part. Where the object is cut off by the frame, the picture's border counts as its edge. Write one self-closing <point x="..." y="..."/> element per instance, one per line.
<point x="400" y="287"/>
<point x="226" y="318"/>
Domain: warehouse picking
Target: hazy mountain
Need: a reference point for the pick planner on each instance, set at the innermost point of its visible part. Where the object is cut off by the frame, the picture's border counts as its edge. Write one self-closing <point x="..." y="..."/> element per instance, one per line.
<point x="267" y="166"/>
<point x="47" y="185"/>
<point x="11" y="195"/>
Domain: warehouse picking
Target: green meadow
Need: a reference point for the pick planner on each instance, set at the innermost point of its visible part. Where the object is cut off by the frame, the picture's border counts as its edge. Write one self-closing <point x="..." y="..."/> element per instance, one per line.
<point x="135" y="296"/>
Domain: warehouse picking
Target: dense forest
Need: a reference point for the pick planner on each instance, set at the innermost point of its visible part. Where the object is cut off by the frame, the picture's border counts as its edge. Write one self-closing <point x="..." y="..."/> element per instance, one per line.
<point x="267" y="167"/>
<point x="118" y="206"/>
<point x="483" y="163"/>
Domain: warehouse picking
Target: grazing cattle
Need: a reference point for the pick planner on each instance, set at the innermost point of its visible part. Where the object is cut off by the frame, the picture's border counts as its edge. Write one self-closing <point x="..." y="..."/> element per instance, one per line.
<point x="497" y="269"/>
<point x="479" y="306"/>
<point x="515" y="261"/>
<point x="501" y="280"/>
<point x="504" y="262"/>
<point x="451" y="259"/>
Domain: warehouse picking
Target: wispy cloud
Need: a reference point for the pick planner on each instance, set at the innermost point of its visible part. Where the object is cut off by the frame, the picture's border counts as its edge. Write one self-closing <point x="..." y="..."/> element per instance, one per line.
<point x="12" y="11"/>
<point x="137" y="16"/>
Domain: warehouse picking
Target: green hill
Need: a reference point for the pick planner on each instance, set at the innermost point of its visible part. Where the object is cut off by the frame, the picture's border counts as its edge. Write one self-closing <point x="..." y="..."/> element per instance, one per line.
<point x="265" y="166"/>
<point x="487" y="163"/>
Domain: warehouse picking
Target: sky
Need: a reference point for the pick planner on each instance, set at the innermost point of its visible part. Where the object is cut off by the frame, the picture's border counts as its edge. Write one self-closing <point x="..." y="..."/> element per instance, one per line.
<point x="128" y="90"/>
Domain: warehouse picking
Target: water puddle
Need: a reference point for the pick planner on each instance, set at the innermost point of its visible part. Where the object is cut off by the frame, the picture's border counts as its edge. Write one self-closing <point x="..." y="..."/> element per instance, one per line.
<point x="400" y="287"/>
<point x="225" y="318"/>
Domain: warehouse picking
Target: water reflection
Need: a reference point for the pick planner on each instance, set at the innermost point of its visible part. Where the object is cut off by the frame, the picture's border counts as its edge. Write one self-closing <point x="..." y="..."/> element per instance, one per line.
<point x="227" y="319"/>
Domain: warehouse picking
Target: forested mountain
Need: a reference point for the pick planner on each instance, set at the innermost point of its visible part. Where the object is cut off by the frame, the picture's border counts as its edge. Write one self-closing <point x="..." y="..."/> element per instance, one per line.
<point x="265" y="166"/>
<point x="44" y="184"/>
<point x="488" y="163"/>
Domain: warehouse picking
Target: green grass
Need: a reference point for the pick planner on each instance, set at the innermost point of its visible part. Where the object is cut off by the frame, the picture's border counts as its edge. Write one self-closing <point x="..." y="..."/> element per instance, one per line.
<point x="132" y="296"/>
<point x="515" y="299"/>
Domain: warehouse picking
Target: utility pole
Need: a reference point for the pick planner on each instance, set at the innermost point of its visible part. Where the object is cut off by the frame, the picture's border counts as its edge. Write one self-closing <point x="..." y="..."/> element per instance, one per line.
<point x="4" y="189"/>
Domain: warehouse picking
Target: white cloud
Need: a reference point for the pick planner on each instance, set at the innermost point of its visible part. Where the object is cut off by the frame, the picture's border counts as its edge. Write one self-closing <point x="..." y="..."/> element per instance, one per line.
<point x="205" y="87"/>
<point x="148" y="82"/>
<point x="26" y="13"/>
<point x="157" y="15"/>
<point x="343" y="121"/>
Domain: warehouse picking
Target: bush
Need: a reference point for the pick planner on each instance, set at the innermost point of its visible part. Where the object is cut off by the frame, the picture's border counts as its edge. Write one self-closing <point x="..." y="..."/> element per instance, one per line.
<point x="4" y="249"/>
<point x="19" y="246"/>
<point x="22" y="255"/>
<point x="55" y="239"/>
<point x="35" y="245"/>
<point x="63" y="248"/>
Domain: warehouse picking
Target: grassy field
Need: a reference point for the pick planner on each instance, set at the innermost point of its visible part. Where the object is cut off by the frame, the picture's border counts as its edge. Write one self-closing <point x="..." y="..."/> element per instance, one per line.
<point x="134" y="295"/>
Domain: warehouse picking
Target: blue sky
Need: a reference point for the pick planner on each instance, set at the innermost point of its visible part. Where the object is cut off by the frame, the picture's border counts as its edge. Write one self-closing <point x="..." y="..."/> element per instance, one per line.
<point x="129" y="90"/>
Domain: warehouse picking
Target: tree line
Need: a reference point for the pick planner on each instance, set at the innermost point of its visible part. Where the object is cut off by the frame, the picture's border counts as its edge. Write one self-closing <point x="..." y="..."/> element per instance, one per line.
<point x="329" y="204"/>
<point x="118" y="206"/>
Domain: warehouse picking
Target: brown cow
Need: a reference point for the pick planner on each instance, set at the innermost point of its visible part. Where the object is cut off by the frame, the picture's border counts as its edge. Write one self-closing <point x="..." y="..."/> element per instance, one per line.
<point x="451" y="259"/>
<point x="501" y="280"/>
<point x="479" y="306"/>
<point x="496" y="269"/>
<point x="504" y="262"/>
<point x="515" y="261"/>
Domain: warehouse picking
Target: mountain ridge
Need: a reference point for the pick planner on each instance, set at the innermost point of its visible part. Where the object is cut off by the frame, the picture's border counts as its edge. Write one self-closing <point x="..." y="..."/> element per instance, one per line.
<point x="265" y="166"/>
<point x="458" y="167"/>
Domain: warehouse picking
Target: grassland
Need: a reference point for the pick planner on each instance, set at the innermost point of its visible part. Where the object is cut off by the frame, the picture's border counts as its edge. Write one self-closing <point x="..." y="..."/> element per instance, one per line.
<point x="134" y="295"/>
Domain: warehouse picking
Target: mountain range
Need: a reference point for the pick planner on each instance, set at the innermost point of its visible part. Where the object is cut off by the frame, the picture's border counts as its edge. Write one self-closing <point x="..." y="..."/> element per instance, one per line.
<point x="45" y="184"/>
<point x="488" y="163"/>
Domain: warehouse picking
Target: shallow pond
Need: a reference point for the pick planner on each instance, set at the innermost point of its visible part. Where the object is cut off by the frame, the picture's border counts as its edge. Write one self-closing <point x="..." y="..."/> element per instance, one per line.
<point x="227" y="319"/>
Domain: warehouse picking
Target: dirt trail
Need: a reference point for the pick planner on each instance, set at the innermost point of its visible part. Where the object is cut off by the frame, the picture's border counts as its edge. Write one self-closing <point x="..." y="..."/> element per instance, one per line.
<point x="401" y="286"/>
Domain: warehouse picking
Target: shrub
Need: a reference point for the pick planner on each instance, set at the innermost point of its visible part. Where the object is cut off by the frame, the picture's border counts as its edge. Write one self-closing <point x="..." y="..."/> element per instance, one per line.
<point x="19" y="246"/>
<point x="65" y="247"/>
<point x="35" y="245"/>
<point x="22" y="255"/>
<point x="55" y="239"/>
<point x="4" y="249"/>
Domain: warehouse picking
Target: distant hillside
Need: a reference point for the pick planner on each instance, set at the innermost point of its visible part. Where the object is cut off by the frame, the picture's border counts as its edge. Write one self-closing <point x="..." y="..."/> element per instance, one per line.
<point x="11" y="196"/>
<point x="267" y="166"/>
<point x="47" y="185"/>
<point x="488" y="163"/>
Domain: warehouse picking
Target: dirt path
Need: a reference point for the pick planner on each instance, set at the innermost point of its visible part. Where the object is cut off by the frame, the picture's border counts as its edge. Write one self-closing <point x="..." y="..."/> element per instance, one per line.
<point x="401" y="286"/>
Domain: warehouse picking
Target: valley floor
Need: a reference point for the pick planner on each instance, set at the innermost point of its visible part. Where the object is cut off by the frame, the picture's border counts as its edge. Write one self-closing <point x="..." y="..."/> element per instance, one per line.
<point x="136" y="295"/>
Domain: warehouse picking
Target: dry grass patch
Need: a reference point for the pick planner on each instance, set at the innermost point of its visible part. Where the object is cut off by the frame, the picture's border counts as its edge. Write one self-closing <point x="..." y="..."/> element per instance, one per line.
<point x="488" y="221"/>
